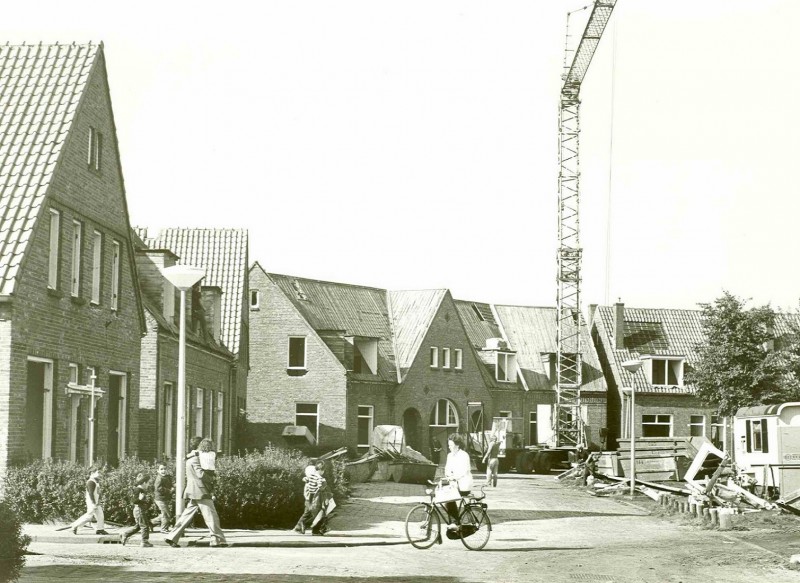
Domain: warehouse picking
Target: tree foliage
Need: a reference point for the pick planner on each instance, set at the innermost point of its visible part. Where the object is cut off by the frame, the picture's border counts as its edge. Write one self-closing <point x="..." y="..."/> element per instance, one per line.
<point x="741" y="364"/>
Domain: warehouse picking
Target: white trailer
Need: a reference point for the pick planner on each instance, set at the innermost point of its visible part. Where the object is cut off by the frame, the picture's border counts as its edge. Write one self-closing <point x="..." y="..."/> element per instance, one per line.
<point x="767" y="445"/>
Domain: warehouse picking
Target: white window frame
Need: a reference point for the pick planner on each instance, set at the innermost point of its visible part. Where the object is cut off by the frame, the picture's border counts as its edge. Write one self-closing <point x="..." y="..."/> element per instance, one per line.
<point x="693" y="422"/>
<point x="445" y="358"/>
<point x="55" y="235"/>
<point x="77" y="244"/>
<point x="97" y="266"/>
<point x="199" y="405"/>
<point x="751" y="433"/>
<point x="450" y="413"/>
<point x="459" y="358"/>
<point x="668" y="363"/>
<point x="116" y="262"/>
<point x="723" y="426"/>
<point x="658" y="421"/>
<point x="220" y="419"/>
<point x="74" y="403"/>
<point x="366" y="412"/>
<point x="304" y="365"/>
<point x="434" y="357"/>
<point x="315" y="415"/>
<point x="533" y="426"/>
<point x="510" y="368"/>
<point x="255" y="299"/>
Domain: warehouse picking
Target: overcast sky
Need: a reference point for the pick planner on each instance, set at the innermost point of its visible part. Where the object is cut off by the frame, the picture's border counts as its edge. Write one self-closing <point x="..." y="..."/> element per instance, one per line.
<point x="413" y="145"/>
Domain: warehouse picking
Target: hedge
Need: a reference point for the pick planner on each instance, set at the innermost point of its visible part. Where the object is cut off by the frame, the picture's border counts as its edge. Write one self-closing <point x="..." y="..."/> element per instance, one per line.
<point x="254" y="490"/>
<point x="12" y="544"/>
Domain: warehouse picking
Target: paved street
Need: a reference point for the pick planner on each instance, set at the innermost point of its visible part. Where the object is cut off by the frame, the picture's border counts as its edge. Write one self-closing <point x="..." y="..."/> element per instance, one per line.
<point x="543" y="531"/>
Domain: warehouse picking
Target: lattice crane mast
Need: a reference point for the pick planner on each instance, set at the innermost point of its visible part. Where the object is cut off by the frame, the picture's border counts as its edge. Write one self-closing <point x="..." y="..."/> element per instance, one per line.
<point x="567" y="417"/>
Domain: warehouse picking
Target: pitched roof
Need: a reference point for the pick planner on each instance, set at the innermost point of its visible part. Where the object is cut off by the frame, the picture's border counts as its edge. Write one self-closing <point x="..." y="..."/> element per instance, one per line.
<point x="531" y="331"/>
<point x="412" y="313"/>
<point x="223" y="254"/>
<point x="650" y="331"/>
<point x="41" y="87"/>
<point x="352" y="310"/>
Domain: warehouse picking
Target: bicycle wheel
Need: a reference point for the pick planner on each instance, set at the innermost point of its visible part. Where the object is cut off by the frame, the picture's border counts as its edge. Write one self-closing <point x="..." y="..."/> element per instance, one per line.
<point x="422" y="526"/>
<point x="475" y="527"/>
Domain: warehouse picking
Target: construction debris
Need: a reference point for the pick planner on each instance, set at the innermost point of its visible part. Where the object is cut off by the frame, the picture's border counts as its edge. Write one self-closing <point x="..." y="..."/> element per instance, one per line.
<point x="692" y="477"/>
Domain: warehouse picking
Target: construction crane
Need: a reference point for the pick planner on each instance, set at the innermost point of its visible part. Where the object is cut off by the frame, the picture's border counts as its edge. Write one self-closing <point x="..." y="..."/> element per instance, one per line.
<point x="568" y="424"/>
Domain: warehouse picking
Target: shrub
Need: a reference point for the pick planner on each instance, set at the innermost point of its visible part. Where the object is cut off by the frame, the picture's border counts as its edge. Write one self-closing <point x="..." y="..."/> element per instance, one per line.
<point x="265" y="489"/>
<point x="12" y="544"/>
<point x="258" y="489"/>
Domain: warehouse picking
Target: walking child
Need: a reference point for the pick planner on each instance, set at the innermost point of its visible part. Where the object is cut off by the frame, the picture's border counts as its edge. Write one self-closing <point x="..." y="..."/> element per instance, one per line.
<point x="141" y="503"/>
<point x="492" y="461"/>
<point x="93" y="507"/>
<point x="163" y="490"/>
<point x="314" y="482"/>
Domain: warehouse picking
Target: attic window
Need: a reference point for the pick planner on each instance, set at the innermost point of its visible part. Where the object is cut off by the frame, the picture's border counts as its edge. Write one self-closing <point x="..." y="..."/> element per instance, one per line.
<point x="506" y="367"/>
<point x="301" y="295"/>
<point x="666" y="372"/>
<point x="95" y="147"/>
<point x="255" y="299"/>
<point x="484" y="313"/>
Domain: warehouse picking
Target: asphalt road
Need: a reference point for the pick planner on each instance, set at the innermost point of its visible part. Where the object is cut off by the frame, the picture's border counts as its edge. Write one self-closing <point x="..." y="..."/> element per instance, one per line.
<point x="543" y="531"/>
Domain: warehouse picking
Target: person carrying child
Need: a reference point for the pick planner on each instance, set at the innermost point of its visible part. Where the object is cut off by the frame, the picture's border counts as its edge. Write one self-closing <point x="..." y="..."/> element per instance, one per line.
<point x="140" y="497"/>
<point x="208" y="462"/>
<point x="163" y="490"/>
<point x="93" y="507"/>
<point x="314" y="492"/>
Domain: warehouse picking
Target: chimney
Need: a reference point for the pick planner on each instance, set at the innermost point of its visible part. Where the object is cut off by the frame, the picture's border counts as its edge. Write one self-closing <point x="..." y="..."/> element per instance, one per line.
<point x="592" y="310"/>
<point x="619" y="325"/>
<point x="211" y="300"/>
<point x="149" y="263"/>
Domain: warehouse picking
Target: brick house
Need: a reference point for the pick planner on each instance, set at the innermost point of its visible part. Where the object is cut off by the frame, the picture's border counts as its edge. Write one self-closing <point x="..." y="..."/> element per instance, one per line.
<point x="70" y="309"/>
<point x="665" y="341"/>
<point x="517" y="347"/>
<point x="223" y="296"/>
<point x="341" y="359"/>
<point x="210" y="367"/>
<point x="321" y="357"/>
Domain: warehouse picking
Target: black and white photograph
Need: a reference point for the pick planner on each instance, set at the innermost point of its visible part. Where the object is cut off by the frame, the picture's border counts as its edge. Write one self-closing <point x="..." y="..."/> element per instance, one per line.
<point x="440" y="291"/>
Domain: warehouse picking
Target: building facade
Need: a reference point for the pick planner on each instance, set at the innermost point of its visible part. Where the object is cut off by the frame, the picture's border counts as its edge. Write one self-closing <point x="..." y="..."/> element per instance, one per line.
<point x="71" y="318"/>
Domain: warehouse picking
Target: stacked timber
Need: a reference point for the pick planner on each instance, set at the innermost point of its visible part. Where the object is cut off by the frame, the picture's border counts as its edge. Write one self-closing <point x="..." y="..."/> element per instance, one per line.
<point x="656" y="457"/>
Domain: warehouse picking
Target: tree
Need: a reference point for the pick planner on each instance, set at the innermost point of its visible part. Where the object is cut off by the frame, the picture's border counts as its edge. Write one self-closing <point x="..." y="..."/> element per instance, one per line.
<point x="741" y="364"/>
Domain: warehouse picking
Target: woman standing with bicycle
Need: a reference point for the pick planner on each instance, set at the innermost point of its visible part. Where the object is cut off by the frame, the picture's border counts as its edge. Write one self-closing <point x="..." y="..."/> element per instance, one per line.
<point x="459" y="470"/>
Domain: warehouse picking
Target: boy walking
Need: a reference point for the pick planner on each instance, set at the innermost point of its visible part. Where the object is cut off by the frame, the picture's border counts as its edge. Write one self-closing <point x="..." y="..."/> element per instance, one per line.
<point x="93" y="507"/>
<point x="141" y="503"/>
<point x="163" y="496"/>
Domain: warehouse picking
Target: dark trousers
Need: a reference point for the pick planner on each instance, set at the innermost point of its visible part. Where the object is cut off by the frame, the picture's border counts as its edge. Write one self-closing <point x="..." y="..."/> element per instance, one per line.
<point x="141" y="525"/>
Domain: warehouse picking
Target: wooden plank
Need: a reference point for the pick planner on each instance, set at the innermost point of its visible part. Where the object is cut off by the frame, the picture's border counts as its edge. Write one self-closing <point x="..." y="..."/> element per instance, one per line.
<point x="661" y="464"/>
<point x="655" y="485"/>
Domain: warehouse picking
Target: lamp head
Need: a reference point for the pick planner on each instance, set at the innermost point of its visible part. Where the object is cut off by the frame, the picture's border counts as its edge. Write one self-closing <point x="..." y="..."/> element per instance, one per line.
<point x="183" y="276"/>
<point x="632" y="366"/>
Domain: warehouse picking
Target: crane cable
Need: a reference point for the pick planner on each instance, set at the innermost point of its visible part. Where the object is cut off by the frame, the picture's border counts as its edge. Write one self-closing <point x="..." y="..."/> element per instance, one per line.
<point x="610" y="169"/>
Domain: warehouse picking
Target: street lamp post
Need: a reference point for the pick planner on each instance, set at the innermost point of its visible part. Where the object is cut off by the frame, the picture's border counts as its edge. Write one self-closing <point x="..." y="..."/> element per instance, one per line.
<point x="182" y="277"/>
<point x="633" y="366"/>
<point x="91" y="419"/>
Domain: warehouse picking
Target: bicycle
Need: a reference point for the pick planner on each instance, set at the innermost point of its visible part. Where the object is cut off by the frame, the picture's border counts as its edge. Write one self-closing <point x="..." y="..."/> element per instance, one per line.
<point x="424" y="522"/>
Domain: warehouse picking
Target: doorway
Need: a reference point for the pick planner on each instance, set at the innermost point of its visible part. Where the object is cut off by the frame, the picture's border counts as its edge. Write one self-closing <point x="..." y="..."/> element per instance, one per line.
<point x="39" y="409"/>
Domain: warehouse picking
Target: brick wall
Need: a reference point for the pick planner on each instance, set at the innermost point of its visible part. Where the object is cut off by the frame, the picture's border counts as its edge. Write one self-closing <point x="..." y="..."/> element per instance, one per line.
<point x="55" y="325"/>
<point x="271" y="392"/>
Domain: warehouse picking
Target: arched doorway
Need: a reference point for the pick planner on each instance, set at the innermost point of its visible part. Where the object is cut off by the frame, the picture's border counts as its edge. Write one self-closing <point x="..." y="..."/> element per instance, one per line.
<point x="443" y="422"/>
<point x="412" y="428"/>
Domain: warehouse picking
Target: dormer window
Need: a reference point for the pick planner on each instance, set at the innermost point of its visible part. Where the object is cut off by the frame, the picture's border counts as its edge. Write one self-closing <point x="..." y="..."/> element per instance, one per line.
<point x="667" y="372"/>
<point x="506" y="367"/>
<point x="365" y="354"/>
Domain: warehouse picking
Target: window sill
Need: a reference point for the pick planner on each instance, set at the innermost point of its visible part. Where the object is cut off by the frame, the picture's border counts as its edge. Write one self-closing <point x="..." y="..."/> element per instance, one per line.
<point x="296" y="372"/>
<point x="447" y="369"/>
<point x="77" y="300"/>
<point x="54" y="293"/>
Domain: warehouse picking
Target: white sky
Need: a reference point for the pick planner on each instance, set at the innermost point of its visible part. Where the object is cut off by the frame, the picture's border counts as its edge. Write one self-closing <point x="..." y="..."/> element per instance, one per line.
<point x="413" y="145"/>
